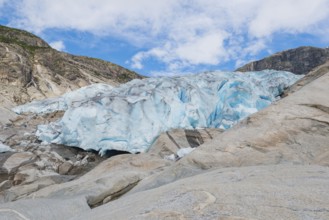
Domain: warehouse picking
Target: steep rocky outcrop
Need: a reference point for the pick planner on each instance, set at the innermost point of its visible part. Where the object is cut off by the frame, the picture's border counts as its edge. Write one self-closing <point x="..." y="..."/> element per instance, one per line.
<point x="300" y="60"/>
<point x="30" y="69"/>
<point x="311" y="76"/>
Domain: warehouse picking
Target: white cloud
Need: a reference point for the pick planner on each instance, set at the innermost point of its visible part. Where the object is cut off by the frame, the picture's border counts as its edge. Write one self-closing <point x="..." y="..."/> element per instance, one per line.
<point x="204" y="49"/>
<point x="180" y="33"/>
<point x="198" y="50"/>
<point x="58" y="45"/>
<point x="292" y="16"/>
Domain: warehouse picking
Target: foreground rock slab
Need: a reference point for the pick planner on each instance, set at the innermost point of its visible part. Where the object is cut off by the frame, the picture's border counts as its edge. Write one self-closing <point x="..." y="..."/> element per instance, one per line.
<point x="42" y="209"/>
<point x="256" y="192"/>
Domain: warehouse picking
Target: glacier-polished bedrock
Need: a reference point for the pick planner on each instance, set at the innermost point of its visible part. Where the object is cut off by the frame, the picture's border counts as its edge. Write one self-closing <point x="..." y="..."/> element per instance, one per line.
<point x="131" y="116"/>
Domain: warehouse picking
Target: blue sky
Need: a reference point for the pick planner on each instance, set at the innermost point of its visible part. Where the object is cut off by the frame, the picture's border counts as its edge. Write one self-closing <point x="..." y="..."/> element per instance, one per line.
<point x="170" y="37"/>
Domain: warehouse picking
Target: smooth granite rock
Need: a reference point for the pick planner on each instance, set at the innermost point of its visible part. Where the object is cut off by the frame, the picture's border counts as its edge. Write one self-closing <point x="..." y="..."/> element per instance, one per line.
<point x="254" y="192"/>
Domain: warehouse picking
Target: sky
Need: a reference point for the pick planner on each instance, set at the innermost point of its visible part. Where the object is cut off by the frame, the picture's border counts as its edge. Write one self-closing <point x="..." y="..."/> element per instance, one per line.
<point x="172" y="37"/>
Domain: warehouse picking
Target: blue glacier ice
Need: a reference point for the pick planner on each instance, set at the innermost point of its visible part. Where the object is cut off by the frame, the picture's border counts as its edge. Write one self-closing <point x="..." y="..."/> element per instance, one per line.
<point x="131" y="116"/>
<point x="65" y="101"/>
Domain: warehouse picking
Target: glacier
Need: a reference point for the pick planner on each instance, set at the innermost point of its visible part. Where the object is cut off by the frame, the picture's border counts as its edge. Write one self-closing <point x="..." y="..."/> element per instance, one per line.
<point x="131" y="116"/>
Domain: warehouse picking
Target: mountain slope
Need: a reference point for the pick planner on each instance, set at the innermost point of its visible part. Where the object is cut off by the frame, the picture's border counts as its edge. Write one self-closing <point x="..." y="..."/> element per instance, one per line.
<point x="30" y="69"/>
<point x="300" y="60"/>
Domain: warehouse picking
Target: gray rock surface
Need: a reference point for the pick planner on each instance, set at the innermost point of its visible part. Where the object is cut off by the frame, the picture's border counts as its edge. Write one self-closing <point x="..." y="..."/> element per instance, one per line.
<point x="254" y="192"/>
<point x="311" y="76"/>
<point x="16" y="160"/>
<point x="33" y="165"/>
<point x="108" y="181"/>
<point x="300" y="60"/>
<point x="42" y="209"/>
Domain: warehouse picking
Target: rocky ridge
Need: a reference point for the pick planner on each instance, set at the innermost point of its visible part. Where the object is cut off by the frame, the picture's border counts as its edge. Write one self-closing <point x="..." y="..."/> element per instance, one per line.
<point x="300" y="60"/>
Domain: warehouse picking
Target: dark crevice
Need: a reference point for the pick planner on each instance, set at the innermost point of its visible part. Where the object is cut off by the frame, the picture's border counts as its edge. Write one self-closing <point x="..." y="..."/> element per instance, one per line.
<point x="113" y="196"/>
<point x="112" y="153"/>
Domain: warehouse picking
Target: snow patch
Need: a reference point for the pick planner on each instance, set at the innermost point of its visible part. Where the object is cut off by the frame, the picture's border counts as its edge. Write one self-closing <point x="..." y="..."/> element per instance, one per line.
<point x="5" y="148"/>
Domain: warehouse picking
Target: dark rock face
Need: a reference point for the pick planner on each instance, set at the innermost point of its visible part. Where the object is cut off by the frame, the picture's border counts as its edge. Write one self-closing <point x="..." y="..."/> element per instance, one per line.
<point x="299" y="61"/>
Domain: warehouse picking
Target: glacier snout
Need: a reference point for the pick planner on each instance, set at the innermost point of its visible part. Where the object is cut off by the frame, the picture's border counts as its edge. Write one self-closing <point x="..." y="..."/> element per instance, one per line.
<point x="131" y="116"/>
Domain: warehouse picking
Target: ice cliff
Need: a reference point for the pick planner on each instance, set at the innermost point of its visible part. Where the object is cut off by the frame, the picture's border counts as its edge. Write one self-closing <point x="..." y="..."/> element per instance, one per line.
<point x="65" y="101"/>
<point x="131" y="116"/>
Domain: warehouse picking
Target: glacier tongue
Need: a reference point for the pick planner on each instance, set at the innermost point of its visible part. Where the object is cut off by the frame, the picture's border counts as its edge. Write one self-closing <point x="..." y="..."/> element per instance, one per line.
<point x="131" y="116"/>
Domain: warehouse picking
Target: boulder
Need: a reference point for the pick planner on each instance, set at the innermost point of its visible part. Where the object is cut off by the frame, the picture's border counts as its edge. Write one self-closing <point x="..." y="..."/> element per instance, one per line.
<point x="16" y="160"/>
<point x="65" y="167"/>
<point x="172" y="141"/>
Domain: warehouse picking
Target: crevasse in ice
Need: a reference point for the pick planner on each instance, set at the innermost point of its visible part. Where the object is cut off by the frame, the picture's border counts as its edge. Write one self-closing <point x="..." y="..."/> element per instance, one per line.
<point x="131" y="116"/>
